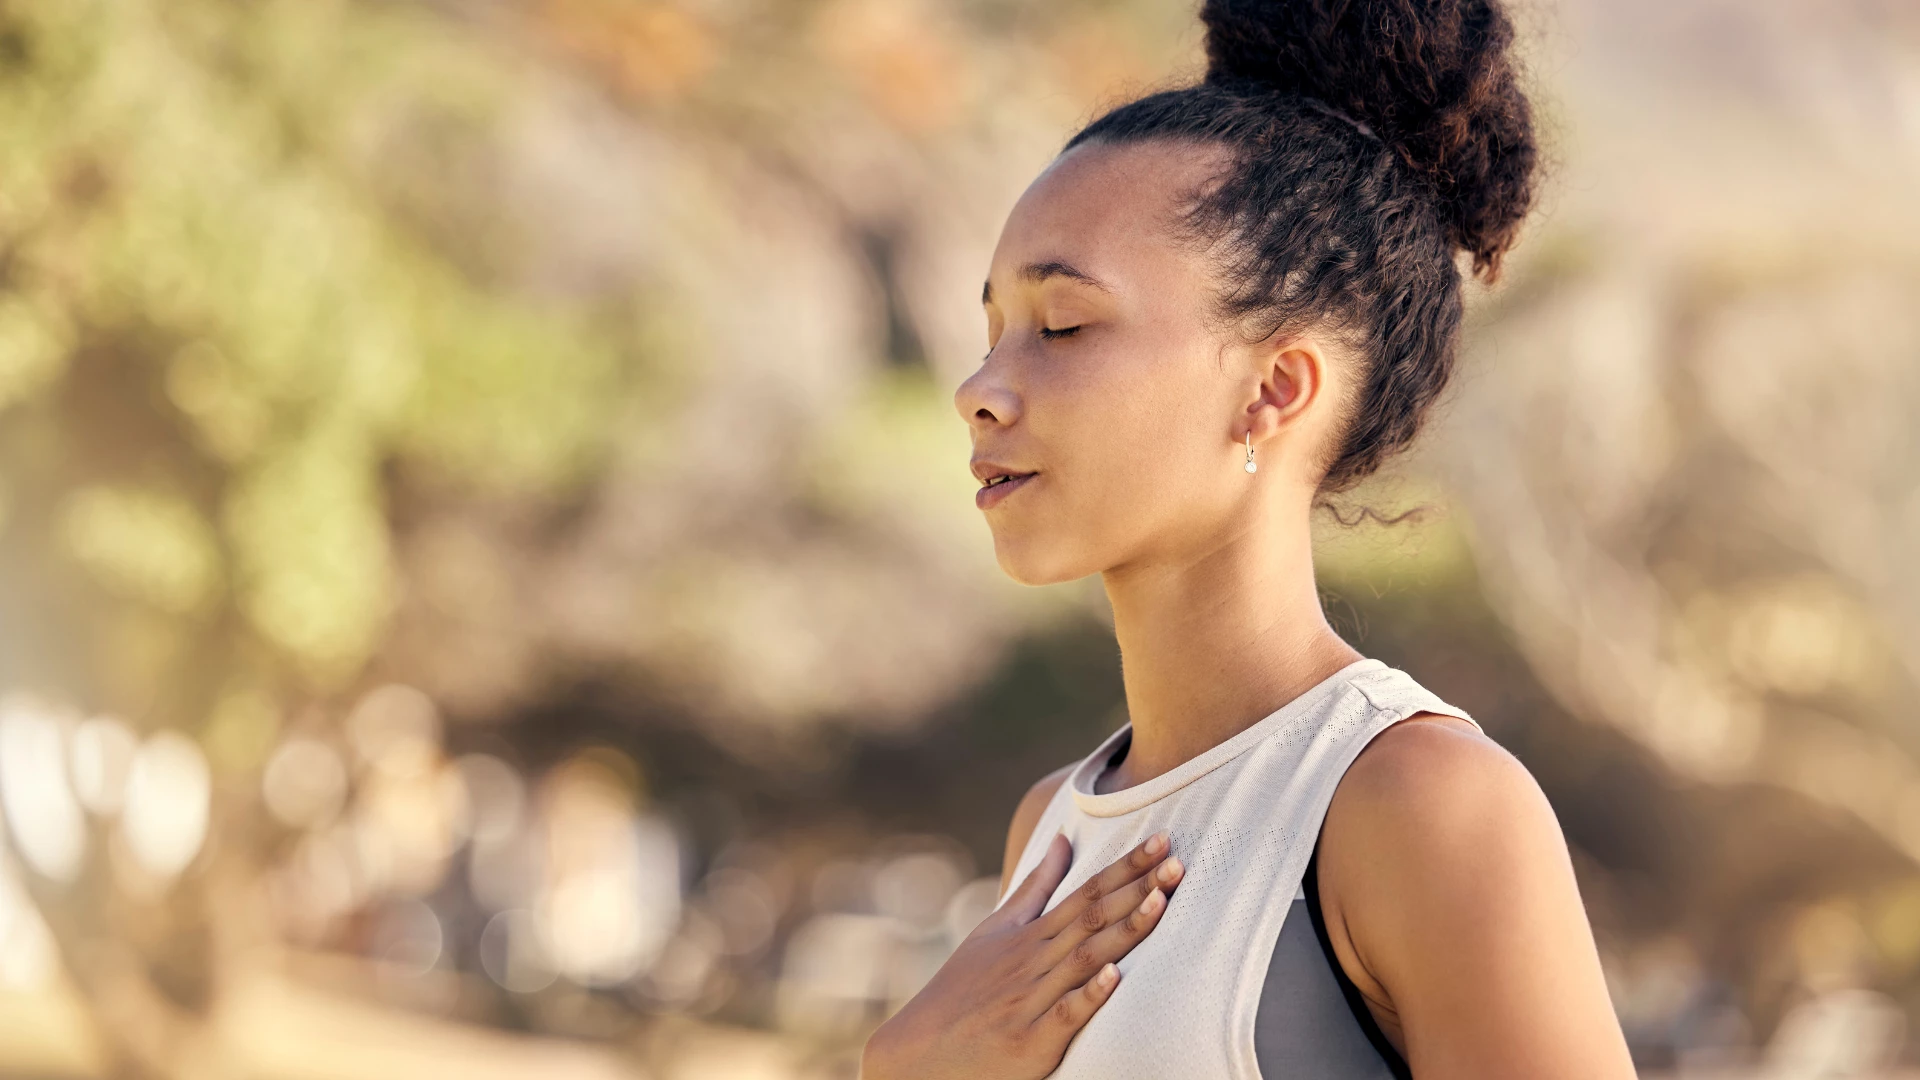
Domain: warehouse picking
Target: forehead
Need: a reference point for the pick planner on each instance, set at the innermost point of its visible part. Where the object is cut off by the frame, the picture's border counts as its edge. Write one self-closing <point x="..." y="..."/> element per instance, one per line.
<point x="1107" y="210"/>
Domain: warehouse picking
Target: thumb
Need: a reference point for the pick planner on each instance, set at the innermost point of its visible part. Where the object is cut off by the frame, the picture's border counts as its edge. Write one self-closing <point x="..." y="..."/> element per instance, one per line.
<point x="1027" y="900"/>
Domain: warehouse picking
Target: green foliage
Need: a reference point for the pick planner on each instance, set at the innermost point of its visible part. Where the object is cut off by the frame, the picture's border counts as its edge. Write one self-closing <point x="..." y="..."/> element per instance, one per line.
<point x="191" y="198"/>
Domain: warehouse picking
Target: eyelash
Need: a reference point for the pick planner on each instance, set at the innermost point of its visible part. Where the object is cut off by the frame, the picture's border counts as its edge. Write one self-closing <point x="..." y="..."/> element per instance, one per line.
<point x="1045" y="332"/>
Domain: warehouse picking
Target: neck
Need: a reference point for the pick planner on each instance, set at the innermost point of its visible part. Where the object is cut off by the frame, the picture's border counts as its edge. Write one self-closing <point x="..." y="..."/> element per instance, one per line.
<point x="1212" y="644"/>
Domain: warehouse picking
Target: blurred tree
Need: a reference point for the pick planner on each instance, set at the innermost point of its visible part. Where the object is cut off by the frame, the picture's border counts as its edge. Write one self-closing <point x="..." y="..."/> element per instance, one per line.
<point x="220" y="332"/>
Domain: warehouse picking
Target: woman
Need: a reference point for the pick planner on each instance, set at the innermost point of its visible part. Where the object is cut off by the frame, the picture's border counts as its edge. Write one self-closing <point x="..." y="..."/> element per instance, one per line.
<point x="1218" y="304"/>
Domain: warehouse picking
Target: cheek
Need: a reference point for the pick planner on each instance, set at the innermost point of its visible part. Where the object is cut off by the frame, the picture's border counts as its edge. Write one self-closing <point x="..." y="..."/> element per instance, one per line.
<point x="1147" y="431"/>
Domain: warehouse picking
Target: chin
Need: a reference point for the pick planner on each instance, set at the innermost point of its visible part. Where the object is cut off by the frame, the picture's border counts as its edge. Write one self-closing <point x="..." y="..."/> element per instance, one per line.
<point x="1031" y="561"/>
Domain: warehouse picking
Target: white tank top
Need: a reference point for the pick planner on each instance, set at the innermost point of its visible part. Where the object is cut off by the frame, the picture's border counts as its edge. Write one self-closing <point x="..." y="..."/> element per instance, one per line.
<point x="1243" y="817"/>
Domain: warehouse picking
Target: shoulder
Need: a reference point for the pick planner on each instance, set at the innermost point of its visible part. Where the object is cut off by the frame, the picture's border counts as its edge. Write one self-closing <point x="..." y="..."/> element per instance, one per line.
<point x="1436" y="779"/>
<point x="1027" y="815"/>
<point x="1432" y="807"/>
<point x="1452" y="903"/>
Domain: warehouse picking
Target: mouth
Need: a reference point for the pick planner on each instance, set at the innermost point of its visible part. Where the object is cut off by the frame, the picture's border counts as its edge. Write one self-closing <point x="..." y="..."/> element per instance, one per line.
<point x="1000" y="487"/>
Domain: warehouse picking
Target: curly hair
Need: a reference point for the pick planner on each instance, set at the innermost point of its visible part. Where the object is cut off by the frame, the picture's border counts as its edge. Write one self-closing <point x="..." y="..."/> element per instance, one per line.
<point x="1371" y="142"/>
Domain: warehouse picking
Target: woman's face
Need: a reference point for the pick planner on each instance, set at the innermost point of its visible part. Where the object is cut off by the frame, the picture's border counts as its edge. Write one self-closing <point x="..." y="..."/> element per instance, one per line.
<point x="1105" y="379"/>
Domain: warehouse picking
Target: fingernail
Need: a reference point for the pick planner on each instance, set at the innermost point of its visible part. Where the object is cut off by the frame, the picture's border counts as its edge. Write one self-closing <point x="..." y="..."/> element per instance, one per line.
<point x="1109" y="975"/>
<point x="1157" y="843"/>
<point x="1152" y="903"/>
<point x="1168" y="871"/>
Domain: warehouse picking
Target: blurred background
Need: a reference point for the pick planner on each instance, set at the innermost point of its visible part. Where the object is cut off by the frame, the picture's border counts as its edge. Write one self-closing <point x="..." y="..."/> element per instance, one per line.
<point x="488" y="577"/>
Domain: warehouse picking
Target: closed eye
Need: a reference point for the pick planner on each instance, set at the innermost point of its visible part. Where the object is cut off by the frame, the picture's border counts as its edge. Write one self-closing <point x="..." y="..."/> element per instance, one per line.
<point x="1051" y="334"/>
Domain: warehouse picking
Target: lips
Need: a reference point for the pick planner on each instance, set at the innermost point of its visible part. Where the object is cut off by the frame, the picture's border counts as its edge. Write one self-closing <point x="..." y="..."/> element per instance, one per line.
<point x="992" y="494"/>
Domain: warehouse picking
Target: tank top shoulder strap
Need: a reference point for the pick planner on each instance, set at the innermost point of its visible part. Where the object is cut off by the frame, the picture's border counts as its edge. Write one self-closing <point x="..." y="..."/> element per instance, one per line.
<point x="1394" y="695"/>
<point x="1395" y="692"/>
<point x="1059" y="805"/>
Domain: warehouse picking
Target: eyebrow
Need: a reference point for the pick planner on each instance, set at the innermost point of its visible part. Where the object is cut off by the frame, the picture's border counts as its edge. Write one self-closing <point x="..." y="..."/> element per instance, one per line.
<point x="1037" y="272"/>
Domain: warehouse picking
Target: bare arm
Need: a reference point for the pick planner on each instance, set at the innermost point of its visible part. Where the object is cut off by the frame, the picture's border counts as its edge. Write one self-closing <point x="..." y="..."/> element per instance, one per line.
<point x="1451" y="900"/>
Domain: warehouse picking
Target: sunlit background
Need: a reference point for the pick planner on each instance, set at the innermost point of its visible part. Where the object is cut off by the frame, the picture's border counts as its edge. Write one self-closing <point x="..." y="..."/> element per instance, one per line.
<point x="489" y="584"/>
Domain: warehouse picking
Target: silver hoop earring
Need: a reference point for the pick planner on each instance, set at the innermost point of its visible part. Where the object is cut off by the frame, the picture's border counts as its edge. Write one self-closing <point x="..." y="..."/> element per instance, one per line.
<point x="1251" y="467"/>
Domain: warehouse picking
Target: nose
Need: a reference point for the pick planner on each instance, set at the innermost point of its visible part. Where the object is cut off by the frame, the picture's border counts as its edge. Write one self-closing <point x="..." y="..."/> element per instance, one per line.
<point x="985" y="399"/>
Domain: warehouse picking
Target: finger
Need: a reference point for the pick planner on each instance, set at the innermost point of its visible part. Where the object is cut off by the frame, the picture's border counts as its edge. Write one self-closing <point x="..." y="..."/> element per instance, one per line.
<point x="1125" y="869"/>
<point x="1116" y="905"/>
<point x="1074" y="1008"/>
<point x="1110" y="944"/>
<point x="1026" y="900"/>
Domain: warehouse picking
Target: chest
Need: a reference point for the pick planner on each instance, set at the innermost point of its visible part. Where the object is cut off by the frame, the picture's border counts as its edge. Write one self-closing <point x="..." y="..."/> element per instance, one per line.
<point x="1243" y="817"/>
<point x="1189" y="993"/>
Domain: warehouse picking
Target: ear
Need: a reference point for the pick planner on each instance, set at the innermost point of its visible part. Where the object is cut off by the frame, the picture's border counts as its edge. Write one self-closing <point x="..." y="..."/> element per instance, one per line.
<point x="1292" y="375"/>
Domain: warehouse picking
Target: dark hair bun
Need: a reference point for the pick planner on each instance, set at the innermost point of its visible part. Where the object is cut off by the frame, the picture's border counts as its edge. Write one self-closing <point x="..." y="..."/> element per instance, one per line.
<point x="1432" y="77"/>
